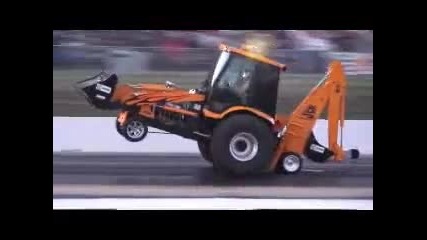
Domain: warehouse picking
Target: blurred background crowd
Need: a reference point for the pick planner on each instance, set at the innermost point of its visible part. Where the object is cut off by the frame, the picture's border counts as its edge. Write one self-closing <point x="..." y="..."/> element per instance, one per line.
<point x="306" y="51"/>
<point x="337" y="40"/>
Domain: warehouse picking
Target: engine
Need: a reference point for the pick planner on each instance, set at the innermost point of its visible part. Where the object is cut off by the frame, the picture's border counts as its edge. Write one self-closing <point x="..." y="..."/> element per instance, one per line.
<point x="170" y="118"/>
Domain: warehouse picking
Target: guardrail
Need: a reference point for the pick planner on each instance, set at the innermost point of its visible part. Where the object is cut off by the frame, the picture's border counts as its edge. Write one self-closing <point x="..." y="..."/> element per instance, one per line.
<point x="98" y="134"/>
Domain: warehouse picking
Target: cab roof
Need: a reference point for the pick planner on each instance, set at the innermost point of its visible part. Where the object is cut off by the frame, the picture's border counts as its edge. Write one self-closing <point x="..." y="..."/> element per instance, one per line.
<point x="252" y="55"/>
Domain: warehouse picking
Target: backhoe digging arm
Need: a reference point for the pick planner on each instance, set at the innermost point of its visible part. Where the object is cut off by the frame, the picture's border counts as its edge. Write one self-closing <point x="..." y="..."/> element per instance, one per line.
<point x="330" y="90"/>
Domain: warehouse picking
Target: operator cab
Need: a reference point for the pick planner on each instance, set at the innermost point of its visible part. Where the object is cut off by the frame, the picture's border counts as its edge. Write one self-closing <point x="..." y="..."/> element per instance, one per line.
<point x="243" y="78"/>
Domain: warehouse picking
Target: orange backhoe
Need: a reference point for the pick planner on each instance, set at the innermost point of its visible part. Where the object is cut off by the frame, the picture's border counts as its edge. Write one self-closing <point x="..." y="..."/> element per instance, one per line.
<point x="232" y="115"/>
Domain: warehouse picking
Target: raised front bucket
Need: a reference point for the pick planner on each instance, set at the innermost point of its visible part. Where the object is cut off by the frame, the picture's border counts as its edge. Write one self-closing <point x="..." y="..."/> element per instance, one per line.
<point x="98" y="90"/>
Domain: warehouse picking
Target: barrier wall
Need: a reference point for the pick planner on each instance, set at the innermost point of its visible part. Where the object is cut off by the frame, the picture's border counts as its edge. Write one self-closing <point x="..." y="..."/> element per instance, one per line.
<point x="98" y="134"/>
<point x="137" y="60"/>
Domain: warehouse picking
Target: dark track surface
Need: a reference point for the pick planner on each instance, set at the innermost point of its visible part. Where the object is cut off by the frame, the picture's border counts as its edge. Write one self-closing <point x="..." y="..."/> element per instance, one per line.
<point x="125" y="175"/>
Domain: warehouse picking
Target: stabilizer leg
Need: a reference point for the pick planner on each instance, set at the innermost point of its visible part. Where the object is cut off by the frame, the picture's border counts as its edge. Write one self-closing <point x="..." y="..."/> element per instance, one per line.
<point x="317" y="152"/>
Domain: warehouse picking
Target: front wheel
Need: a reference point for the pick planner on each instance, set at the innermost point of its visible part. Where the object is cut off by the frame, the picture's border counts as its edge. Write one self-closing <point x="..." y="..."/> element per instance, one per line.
<point x="119" y="128"/>
<point x="134" y="129"/>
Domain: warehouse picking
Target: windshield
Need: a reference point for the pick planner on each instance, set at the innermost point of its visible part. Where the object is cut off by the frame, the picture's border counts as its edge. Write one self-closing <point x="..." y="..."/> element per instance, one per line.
<point x="217" y="68"/>
<point x="222" y="60"/>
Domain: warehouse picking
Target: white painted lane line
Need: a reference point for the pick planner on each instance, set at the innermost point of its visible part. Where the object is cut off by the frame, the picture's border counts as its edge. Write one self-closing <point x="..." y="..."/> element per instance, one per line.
<point x="312" y="170"/>
<point x="211" y="204"/>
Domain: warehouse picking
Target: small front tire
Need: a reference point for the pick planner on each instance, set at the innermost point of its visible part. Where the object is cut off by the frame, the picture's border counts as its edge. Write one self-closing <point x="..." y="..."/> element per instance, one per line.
<point x="134" y="129"/>
<point x="119" y="128"/>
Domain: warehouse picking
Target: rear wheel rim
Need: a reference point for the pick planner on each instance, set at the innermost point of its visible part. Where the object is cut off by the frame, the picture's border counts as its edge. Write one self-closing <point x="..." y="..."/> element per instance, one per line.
<point x="243" y="147"/>
<point x="291" y="163"/>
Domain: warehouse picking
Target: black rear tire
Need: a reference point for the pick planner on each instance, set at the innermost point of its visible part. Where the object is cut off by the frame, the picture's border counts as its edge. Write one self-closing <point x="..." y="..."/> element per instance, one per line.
<point x="205" y="151"/>
<point x="231" y="156"/>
